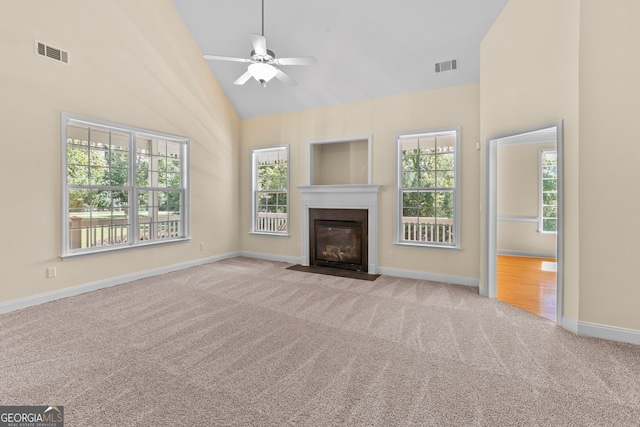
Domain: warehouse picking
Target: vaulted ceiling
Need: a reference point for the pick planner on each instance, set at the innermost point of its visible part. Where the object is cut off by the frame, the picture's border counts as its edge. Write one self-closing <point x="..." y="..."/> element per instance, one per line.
<point x="365" y="48"/>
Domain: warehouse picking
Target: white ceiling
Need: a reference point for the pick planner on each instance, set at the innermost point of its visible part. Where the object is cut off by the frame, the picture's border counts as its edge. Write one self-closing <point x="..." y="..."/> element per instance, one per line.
<point x="365" y="48"/>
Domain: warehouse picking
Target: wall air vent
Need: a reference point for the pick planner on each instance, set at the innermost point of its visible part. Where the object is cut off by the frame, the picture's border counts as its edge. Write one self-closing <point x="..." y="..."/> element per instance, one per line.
<point x="450" y="65"/>
<point x="52" y="52"/>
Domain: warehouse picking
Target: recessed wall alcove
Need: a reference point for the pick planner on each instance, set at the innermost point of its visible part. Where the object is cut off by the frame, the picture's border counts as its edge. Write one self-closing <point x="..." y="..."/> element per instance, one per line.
<point x="340" y="161"/>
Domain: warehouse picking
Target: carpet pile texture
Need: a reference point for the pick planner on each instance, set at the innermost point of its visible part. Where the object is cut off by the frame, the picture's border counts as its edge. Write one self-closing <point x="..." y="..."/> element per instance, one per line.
<point x="246" y="342"/>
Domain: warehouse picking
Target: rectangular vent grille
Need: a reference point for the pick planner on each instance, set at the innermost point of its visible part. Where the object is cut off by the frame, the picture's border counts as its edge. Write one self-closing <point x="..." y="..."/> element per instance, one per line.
<point x="450" y="65"/>
<point x="52" y="52"/>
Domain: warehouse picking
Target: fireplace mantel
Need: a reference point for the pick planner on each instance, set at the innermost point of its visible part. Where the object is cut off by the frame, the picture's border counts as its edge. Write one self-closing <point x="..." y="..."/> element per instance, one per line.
<point x="348" y="196"/>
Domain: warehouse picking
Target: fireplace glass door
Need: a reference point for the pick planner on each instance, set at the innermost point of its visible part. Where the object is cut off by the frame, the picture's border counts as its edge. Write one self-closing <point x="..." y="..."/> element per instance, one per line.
<point x="339" y="244"/>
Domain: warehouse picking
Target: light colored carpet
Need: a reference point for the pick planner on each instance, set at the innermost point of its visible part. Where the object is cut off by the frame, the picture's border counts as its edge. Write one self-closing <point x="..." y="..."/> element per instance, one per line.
<point x="246" y="342"/>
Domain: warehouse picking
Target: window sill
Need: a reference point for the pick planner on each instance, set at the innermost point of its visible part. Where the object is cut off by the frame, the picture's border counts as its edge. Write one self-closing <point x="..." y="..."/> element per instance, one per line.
<point x="266" y="233"/>
<point x="102" y="251"/>
<point x="427" y="245"/>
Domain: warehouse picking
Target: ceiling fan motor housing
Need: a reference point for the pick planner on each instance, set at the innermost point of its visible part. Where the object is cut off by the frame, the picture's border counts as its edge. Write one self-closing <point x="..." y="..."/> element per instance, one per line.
<point x="270" y="56"/>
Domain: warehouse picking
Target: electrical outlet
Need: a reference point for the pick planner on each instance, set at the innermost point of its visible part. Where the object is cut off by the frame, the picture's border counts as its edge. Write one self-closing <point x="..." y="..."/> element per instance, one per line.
<point x="202" y="246"/>
<point x="51" y="272"/>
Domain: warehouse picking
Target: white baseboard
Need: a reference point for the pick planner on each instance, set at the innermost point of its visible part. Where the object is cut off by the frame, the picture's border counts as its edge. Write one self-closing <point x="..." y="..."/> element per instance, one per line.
<point x="423" y="275"/>
<point x="605" y="332"/>
<point x="17" y="304"/>
<point x="595" y="330"/>
<point x="20" y="303"/>
<point x="526" y="254"/>
<point x="569" y="324"/>
<point x="270" y="257"/>
<point x="410" y="274"/>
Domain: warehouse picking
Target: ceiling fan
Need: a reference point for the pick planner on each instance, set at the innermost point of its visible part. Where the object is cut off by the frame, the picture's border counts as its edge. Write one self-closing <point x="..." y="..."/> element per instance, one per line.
<point x="263" y="61"/>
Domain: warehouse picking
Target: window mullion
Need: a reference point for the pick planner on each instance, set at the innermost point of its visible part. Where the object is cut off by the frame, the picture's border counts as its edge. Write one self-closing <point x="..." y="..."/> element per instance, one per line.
<point x="133" y="190"/>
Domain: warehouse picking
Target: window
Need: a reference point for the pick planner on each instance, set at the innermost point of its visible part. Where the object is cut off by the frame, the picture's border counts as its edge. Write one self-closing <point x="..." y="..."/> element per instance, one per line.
<point x="427" y="189"/>
<point x="548" y="219"/>
<point x="122" y="186"/>
<point x="270" y="178"/>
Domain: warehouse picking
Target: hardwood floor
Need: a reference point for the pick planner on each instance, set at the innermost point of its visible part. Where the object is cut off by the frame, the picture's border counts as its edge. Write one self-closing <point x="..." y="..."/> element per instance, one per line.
<point x="522" y="282"/>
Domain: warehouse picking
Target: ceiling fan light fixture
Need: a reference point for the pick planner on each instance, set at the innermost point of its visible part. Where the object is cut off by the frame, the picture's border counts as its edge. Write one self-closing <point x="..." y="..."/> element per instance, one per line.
<point x="263" y="72"/>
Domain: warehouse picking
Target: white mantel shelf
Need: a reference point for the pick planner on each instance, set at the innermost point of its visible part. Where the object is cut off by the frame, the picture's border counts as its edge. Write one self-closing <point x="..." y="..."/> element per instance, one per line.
<point x="348" y="196"/>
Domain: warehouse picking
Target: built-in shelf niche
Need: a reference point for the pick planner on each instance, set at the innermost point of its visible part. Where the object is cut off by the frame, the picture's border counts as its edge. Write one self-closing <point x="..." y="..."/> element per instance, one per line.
<point x="340" y="161"/>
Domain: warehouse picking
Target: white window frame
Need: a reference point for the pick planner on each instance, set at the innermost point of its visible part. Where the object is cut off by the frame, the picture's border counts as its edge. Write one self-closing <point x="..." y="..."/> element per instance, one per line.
<point x="133" y="238"/>
<point x="254" y="191"/>
<point x="541" y="216"/>
<point x="398" y="225"/>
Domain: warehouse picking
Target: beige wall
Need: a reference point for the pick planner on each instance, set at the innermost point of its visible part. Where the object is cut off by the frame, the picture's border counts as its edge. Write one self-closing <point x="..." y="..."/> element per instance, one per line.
<point x="518" y="198"/>
<point x="572" y="60"/>
<point x="523" y="239"/>
<point x="382" y="118"/>
<point x="529" y="77"/>
<point x="609" y="155"/>
<point x="131" y="62"/>
<point x="340" y="163"/>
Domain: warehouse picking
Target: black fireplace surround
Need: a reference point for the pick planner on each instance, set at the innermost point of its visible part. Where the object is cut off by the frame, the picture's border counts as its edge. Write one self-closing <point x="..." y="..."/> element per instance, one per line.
<point x="338" y="238"/>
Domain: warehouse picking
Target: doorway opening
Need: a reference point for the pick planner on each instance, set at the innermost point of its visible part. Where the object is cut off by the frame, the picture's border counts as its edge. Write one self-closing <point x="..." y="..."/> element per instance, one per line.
<point x="524" y="220"/>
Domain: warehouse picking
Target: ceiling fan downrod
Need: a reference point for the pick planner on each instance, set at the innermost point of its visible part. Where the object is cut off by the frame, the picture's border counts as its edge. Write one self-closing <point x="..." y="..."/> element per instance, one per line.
<point x="262" y="18"/>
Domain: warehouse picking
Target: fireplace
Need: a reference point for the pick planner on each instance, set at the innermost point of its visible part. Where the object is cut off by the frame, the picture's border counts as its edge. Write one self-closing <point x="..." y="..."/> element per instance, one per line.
<point x="338" y="238"/>
<point x="323" y="202"/>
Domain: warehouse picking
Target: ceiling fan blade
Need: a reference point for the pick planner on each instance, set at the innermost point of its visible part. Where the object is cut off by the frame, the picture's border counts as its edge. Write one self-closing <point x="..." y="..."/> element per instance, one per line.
<point x="306" y="60"/>
<point x="243" y="78"/>
<point x="285" y="79"/>
<point x="226" y="58"/>
<point x="259" y="44"/>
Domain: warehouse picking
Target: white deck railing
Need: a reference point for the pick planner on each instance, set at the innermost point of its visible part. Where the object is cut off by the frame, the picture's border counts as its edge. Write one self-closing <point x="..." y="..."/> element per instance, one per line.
<point x="414" y="229"/>
<point x="273" y="222"/>
<point x="417" y="229"/>
<point x="86" y="233"/>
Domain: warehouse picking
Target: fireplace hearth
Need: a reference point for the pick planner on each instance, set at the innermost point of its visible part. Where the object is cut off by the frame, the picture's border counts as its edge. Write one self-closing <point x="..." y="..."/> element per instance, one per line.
<point x="338" y="238"/>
